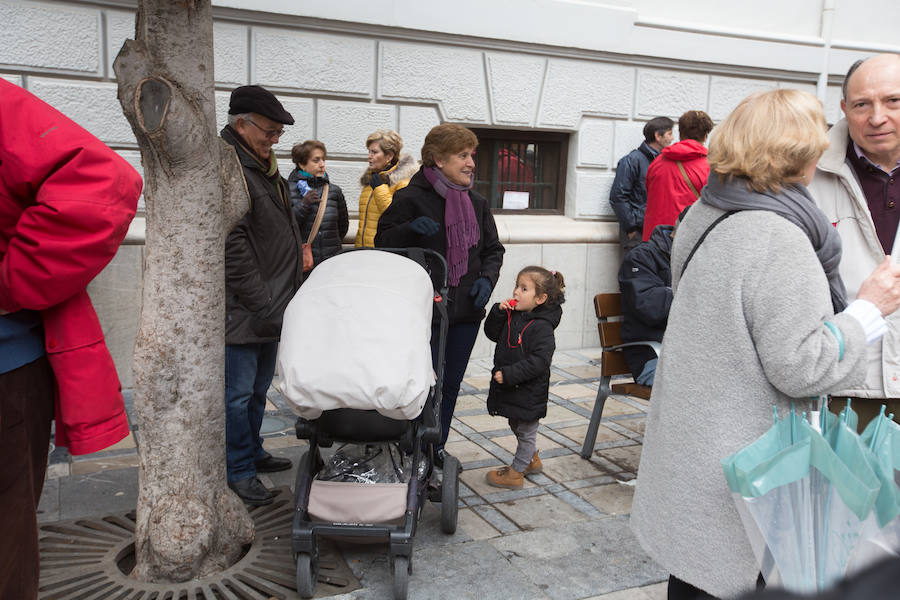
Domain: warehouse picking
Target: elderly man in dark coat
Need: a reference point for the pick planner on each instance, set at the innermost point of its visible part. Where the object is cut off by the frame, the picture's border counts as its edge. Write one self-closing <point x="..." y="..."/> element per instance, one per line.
<point x="263" y="270"/>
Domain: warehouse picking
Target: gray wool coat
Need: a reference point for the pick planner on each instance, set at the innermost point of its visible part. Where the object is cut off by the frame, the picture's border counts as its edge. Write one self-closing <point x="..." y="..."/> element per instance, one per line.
<point x="746" y="332"/>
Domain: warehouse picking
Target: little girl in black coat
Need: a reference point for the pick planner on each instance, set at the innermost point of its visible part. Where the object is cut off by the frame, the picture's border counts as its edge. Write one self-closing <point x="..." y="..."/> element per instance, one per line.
<point x="522" y="327"/>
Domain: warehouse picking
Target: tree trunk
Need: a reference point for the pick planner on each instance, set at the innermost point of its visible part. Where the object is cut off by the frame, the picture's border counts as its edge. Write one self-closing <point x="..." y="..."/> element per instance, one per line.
<point x="189" y="524"/>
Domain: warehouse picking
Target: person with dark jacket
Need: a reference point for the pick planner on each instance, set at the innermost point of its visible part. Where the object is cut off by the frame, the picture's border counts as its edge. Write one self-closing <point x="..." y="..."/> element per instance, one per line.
<point x="628" y="195"/>
<point x="438" y="210"/>
<point x="306" y="184"/>
<point x="645" y="280"/>
<point x="522" y="327"/>
<point x="263" y="270"/>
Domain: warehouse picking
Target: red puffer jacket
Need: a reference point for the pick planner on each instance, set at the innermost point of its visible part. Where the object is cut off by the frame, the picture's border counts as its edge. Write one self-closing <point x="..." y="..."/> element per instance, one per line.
<point x="667" y="191"/>
<point x="66" y="200"/>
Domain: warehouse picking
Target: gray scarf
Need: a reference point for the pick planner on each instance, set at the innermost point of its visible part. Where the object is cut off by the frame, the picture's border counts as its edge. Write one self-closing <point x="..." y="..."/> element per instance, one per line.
<point x="795" y="204"/>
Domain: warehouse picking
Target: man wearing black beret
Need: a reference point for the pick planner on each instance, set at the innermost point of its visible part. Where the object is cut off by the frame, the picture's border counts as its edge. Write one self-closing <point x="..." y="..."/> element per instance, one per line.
<point x="263" y="269"/>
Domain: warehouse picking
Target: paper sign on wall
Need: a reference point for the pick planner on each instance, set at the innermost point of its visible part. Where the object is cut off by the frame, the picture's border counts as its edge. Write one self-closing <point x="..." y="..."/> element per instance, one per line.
<point x="515" y="200"/>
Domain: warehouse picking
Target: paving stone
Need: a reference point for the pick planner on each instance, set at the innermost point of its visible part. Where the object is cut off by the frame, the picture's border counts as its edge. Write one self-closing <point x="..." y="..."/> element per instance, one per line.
<point x="557" y="374"/>
<point x="479" y="382"/>
<point x="580" y="559"/>
<point x="628" y="457"/>
<point x="484" y="423"/>
<point x="579" y="504"/>
<point x="476" y="527"/>
<point x="585" y="371"/>
<point x="572" y="390"/>
<point x="496" y="518"/>
<point x="493" y="463"/>
<point x="283" y="441"/>
<point x="48" y="506"/>
<point x="467" y="451"/>
<point x="636" y="425"/>
<point x="657" y="591"/>
<point x="475" y="479"/>
<point x="465" y="491"/>
<point x="578" y="433"/>
<point x="564" y="358"/>
<point x="612" y="499"/>
<point x="538" y="511"/>
<point x="509" y="443"/>
<point x="583" y="483"/>
<point x="98" y="493"/>
<point x="572" y="467"/>
<point x="502" y="495"/>
<point x="454" y="435"/>
<point x="83" y="467"/>
<point x="469" y="402"/>
<point x="558" y="414"/>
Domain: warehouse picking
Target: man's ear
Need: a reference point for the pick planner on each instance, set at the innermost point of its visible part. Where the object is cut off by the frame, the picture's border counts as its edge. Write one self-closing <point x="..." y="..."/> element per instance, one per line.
<point x="540" y="299"/>
<point x="844" y="107"/>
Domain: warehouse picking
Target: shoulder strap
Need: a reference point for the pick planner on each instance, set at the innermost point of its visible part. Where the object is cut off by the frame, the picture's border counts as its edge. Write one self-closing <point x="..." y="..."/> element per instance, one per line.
<point x="687" y="179"/>
<point x="319" y="215"/>
<point x="703" y="237"/>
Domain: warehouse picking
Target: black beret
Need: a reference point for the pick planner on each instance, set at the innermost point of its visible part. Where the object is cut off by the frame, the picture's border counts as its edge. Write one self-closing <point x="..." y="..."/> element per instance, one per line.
<point x="259" y="100"/>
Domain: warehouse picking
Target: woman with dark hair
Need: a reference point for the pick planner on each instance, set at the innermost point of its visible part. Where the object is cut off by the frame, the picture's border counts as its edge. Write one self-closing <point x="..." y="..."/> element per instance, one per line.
<point x="389" y="170"/>
<point x="306" y="184"/>
<point x="439" y="210"/>
<point x="675" y="178"/>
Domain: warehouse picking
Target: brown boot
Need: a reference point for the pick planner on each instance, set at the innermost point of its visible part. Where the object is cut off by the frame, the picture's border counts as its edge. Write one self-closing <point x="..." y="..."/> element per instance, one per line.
<point x="534" y="466"/>
<point x="506" y="477"/>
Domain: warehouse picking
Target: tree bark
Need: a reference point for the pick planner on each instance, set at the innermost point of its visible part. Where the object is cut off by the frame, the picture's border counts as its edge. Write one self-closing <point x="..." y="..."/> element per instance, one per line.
<point x="189" y="524"/>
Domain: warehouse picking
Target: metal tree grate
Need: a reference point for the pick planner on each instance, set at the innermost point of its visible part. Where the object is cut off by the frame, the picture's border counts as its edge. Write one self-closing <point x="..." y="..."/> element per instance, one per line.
<point x="81" y="560"/>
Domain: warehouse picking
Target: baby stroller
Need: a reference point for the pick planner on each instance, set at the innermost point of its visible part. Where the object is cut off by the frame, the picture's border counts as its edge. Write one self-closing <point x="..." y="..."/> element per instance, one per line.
<point x="355" y="365"/>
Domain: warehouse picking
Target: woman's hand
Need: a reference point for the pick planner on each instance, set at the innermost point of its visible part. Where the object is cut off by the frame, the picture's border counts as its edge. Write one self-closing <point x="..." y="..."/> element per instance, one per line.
<point x="508" y="304"/>
<point x="425" y="226"/>
<point x="311" y="197"/>
<point x="882" y="287"/>
<point x="498" y="377"/>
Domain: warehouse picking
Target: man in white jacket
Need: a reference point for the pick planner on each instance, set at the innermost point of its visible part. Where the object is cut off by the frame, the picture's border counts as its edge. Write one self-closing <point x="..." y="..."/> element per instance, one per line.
<point x="857" y="185"/>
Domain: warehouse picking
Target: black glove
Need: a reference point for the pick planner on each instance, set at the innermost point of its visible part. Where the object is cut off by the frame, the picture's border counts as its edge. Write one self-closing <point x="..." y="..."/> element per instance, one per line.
<point x="374" y="180"/>
<point x="425" y="226"/>
<point x="481" y="291"/>
<point x="311" y="197"/>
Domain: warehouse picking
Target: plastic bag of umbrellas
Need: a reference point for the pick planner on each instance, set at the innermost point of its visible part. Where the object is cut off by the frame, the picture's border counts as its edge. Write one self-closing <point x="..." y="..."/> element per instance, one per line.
<point x="818" y="501"/>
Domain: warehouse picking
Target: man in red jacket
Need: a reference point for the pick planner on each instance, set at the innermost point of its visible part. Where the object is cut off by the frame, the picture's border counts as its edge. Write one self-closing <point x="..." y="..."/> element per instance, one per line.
<point x="66" y="201"/>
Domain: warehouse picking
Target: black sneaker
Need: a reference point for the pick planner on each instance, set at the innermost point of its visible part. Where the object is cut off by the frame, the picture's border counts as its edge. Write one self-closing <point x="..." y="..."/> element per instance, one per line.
<point x="272" y="464"/>
<point x="252" y="491"/>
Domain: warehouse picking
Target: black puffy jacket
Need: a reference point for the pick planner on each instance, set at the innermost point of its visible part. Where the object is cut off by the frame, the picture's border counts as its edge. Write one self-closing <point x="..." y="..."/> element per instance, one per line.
<point x="263" y="266"/>
<point x="628" y="194"/>
<point x="335" y="221"/>
<point x="645" y="280"/>
<point x="419" y="199"/>
<point x="525" y="345"/>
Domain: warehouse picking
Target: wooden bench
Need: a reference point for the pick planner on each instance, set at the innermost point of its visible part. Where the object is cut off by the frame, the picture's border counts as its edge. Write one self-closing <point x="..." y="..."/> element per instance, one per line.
<point x="608" y="308"/>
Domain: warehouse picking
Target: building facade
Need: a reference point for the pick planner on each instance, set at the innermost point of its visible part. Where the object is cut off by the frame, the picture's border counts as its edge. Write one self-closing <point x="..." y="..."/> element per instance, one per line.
<point x="570" y="81"/>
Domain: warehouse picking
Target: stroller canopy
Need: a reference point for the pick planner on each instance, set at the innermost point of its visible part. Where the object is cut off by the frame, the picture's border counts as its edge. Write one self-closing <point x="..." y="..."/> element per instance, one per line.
<point x="357" y="335"/>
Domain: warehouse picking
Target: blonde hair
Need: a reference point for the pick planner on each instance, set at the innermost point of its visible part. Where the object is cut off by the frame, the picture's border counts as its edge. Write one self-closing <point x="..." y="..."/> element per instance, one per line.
<point x="388" y="140"/>
<point x="769" y="138"/>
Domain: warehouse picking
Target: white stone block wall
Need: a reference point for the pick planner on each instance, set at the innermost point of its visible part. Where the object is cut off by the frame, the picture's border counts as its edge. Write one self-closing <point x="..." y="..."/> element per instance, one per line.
<point x="342" y="79"/>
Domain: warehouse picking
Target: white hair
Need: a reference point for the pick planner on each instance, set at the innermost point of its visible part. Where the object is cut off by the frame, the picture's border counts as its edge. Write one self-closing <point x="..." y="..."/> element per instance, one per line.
<point x="232" y="119"/>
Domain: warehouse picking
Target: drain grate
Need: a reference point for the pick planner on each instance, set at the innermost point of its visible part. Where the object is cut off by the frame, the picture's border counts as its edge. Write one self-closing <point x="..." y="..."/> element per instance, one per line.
<point x="80" y="560"/>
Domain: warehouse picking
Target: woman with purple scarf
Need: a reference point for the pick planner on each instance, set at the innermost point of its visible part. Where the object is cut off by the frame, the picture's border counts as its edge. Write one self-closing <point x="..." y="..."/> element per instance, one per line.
<point x="438" y="210"/>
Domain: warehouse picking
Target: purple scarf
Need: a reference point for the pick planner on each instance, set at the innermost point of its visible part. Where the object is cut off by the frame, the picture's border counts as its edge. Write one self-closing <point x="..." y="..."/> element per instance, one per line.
<point x="460" y="225"/>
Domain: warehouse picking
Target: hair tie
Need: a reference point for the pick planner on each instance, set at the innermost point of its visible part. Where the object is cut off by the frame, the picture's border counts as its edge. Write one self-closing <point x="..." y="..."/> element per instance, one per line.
<point x="553" y="273"/>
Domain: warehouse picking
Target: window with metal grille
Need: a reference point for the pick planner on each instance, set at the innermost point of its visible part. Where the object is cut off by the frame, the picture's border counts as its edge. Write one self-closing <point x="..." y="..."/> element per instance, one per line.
<point x="521" y="171"/>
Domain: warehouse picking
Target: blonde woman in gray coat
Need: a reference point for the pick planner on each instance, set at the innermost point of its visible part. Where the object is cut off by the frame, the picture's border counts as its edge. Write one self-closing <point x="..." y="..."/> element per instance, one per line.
<point x="759" y="318"/>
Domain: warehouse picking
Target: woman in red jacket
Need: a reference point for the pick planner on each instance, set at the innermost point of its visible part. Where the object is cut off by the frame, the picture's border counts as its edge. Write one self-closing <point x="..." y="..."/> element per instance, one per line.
<point x="675" y="178"/>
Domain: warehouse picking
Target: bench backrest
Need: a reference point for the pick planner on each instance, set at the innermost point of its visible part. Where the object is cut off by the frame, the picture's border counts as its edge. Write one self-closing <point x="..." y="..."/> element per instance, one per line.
<point x="608" y="308"/>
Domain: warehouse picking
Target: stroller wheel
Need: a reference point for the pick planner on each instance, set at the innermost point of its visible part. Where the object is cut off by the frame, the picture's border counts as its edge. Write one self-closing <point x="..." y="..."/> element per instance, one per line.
<point x="401" y="577"/>
<point x="306" y="576"/>
<point x="450" y="494"/>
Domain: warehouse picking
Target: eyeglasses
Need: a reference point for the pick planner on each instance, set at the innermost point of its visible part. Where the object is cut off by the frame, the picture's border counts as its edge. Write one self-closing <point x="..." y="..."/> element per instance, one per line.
<point x="272" y="134"/>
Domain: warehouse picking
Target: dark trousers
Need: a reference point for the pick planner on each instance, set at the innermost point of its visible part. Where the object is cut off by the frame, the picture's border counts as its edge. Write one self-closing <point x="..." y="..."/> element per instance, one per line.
<point x="460" y="340"/>
<point x="249" y="369"/>
<point x="27" y="396"/>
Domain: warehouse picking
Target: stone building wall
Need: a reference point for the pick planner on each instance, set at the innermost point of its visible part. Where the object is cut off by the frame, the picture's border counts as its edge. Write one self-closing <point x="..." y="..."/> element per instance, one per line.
<point x="594" y="71"/>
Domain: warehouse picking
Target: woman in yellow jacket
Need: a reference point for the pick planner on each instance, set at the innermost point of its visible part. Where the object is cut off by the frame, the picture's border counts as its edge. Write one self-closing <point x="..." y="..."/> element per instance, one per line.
<point x="389" y="170"/>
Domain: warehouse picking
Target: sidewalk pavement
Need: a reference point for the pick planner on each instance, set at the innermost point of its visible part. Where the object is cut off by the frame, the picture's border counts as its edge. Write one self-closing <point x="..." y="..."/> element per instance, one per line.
<point x="564" y="536"/>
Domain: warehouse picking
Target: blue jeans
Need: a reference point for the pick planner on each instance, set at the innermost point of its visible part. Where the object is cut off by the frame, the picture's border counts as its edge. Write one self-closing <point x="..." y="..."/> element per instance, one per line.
<point x="460" y="340"/>
<point x="249" y="369"/>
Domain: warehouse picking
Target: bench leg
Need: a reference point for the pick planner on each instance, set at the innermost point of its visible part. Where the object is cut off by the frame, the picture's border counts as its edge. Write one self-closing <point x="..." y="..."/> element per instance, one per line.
<point x="591" y="436"/>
